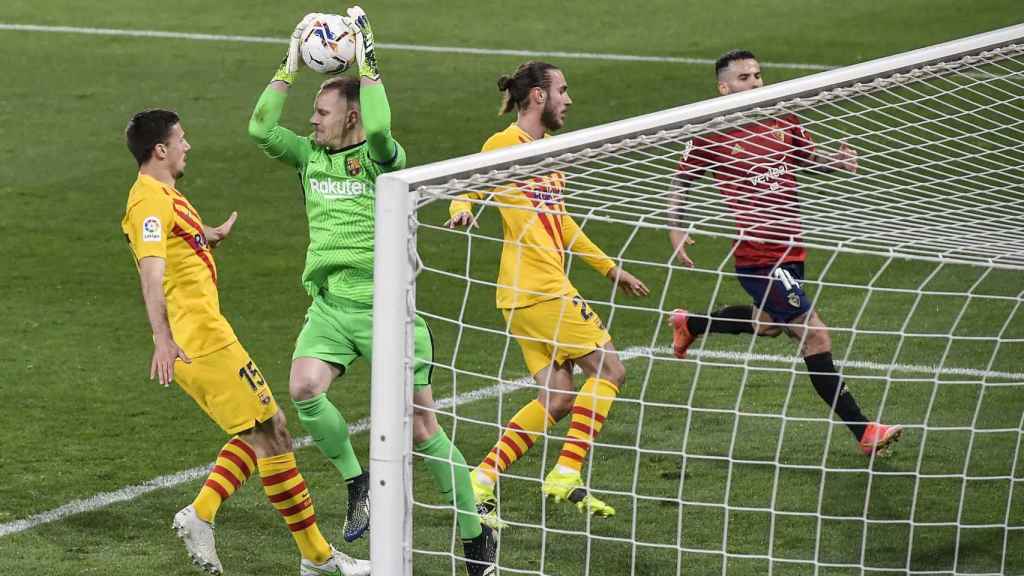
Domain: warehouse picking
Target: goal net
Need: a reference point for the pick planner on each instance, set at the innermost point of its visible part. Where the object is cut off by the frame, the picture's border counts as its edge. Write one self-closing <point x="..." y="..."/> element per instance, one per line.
<point x="727" y="461"/>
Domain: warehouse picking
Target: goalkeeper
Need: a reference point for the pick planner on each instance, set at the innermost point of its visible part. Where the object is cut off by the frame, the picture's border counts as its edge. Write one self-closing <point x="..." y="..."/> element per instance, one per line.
<point x="350" y="146"/>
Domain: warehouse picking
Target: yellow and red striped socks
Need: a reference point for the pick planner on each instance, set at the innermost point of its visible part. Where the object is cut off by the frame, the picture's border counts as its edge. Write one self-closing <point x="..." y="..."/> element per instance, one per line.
<point x="287" y="491"/>
<point x="520" y="434"/>
<point x="592" y="404"/>
<point x="235" y="463"/>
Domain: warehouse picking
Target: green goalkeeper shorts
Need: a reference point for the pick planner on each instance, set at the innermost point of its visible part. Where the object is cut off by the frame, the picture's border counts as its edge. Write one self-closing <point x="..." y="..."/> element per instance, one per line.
<point x="339" y="330"/>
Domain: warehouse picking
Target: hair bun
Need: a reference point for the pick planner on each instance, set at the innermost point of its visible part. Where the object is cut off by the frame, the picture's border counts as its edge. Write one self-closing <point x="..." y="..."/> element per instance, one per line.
<point x="503" y="82"/>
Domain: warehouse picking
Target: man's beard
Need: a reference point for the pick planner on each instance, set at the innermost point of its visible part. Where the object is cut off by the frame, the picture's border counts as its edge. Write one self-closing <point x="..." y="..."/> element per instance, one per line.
<point x="549" y="119"/>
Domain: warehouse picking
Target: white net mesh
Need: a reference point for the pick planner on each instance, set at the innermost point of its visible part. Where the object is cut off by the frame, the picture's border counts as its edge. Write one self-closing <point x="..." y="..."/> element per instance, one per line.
<point x="727" y="461"/>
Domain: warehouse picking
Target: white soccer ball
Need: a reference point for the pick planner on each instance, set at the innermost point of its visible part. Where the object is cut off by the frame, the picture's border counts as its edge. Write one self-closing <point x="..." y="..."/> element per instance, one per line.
<point x="328" y="45"/>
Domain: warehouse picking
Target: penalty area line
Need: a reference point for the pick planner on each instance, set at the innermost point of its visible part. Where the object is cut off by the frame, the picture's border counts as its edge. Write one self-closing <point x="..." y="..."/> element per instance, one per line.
<point x="129" y="493"/>
<point x="395" y="46"/>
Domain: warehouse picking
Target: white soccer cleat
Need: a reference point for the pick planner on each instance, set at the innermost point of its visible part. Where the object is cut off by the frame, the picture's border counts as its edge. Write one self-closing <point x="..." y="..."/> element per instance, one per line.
<point x="197" y="535"/>
<point x="339" y="564"/>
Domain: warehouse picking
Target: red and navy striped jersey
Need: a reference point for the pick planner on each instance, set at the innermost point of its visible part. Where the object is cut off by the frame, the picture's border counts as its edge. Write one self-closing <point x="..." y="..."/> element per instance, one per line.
<point x="754" y="168"/>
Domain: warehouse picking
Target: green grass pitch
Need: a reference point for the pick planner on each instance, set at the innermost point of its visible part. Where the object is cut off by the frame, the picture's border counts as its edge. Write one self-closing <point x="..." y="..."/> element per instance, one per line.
<point x="79" y="416"/>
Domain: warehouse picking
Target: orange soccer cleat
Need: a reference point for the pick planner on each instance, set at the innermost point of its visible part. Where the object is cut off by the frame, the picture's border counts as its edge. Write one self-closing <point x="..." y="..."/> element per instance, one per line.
<point x="682" y="338"/>
<point x="878" y="438"/>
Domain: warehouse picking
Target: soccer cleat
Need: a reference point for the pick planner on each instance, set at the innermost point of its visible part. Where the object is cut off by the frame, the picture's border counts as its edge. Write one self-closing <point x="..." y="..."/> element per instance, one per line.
<point x="486" y="503"/>
<point x="480" y="553"/>
<point x="339" y="564"/>
<point x="197" y="535"/>
<point x="569" y="487"/>
<point x="357" y="519"/>
<point x="681" y="336"/>
<point x="879" y="438"/>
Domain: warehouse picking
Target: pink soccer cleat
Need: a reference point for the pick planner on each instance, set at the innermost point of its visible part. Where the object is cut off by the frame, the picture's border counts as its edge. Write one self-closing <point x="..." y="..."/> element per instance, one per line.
<point x="681" y="336"/>
<point x="878" y="438"/>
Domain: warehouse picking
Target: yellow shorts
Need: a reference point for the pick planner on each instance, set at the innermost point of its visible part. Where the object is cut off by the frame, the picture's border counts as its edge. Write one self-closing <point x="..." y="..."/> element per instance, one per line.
<point x="229" y="387"/>
<point x="556" y="330"/>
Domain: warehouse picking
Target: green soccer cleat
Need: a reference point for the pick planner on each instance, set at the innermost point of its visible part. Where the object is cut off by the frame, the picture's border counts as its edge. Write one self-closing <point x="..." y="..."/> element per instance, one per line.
<point x="486" y="503"/>
<point x="197" y="535"/>
<point x="569" y="487"/>
<point x="339" y="564"/>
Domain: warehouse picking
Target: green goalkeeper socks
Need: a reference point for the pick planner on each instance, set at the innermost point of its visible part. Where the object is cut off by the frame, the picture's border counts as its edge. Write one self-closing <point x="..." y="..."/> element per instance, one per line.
<point x="446" y="463"/>
<point x="330" y="432"/>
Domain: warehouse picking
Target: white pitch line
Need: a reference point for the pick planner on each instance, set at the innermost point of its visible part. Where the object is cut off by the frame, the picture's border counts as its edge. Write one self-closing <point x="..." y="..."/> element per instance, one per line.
<point x="853" y="364"/>
<point x="399" y="47"/>
<point x="104" y="499"/>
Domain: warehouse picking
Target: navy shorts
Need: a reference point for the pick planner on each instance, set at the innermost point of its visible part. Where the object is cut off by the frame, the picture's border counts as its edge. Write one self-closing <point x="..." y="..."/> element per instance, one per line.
<point x="777" y="290"/>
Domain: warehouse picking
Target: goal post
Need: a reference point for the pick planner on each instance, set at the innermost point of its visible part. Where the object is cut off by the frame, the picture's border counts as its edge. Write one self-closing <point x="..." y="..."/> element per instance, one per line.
<point x="922" y="250"/>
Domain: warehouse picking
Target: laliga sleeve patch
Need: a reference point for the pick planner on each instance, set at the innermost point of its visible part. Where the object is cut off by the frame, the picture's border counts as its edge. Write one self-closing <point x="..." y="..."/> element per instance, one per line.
<point x="152" y="231"/>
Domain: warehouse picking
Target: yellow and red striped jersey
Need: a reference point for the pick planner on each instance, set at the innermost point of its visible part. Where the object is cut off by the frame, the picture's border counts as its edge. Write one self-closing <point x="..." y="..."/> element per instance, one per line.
<point x="538" y="233"/>
<point x="160" y="222"/>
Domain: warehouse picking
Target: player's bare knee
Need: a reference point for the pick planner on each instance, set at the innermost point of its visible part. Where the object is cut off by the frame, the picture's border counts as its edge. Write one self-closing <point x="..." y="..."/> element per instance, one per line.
<point x="302" y="387"/>
<point x="271" y="437"/>
<point x="614" y="371"/>
<point x="558" y="404"/>
<point x="424" y="425"/>
<point x="817" y="342"/>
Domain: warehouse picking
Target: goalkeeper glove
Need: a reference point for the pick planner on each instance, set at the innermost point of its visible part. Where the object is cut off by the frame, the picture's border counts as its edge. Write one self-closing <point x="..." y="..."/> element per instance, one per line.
<point x="289" y="68"/>
<point x="365" y="56"/>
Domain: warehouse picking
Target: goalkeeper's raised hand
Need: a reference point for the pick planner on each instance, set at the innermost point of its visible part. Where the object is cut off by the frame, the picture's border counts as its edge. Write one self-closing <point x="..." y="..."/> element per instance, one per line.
<point x="365" y="56"/>
<point x="289" y="68"/>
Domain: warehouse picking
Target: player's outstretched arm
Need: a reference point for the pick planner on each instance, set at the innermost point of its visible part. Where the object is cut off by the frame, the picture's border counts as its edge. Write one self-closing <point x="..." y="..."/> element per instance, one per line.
<point x="288" y="71"/>
<point x="460" y="212"/>
<point x="165" y="350"/>
<point x="214" y="235"/>
<point x="275" y="140"/>
<point x="373" y="100"/>
<point x="366" y="57"/>
<point x="630" y="284"/>
<point x="679" y="238"/>
<point x="576" y="240"/>
<point x="844" y="158"/>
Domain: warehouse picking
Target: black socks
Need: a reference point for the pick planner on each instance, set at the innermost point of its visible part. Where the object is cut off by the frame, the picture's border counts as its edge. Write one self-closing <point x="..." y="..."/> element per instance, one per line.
<point x="728" y="320"/>
<point x="830" y="387"/>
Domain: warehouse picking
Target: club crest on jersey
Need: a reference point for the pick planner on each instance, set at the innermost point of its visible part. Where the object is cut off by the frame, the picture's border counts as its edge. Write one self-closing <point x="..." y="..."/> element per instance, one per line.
<point x="151" y="229"/>
<point x="794" y="300"/>
<point x="353" y="166"/>
<point x="779" y="135"/>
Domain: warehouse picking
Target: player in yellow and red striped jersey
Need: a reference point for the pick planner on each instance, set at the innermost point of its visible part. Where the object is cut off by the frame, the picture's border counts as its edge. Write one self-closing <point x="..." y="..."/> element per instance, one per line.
<point x="552" y="323"/>
<point x="195" y="346"/>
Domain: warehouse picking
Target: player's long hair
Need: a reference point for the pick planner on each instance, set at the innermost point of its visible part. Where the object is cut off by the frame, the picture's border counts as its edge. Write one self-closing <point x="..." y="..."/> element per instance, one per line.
<point x="515" y="89"/>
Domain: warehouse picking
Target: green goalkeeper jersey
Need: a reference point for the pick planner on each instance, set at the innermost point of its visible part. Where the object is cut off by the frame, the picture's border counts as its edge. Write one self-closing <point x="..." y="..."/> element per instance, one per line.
<point x="338" y="189"/>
